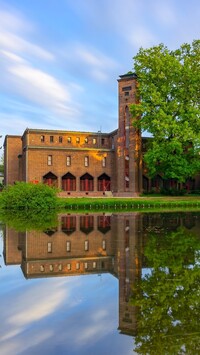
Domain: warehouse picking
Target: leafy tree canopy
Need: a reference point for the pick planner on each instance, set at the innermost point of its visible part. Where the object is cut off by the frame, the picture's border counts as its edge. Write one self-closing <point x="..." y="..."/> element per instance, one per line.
<point x="169" y="108"/>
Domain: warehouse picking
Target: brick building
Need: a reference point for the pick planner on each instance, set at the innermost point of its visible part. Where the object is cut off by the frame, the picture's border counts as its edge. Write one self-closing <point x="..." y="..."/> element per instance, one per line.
<point x="85" y="163"/>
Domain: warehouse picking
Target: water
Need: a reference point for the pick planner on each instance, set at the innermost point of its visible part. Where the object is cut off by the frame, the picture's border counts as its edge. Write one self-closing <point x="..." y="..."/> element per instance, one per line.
<point x="124" y="283"/>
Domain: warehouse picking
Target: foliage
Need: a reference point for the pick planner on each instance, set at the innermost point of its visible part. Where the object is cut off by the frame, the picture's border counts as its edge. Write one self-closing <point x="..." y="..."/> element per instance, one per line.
<point x="168" y="297"/>
<point x="28" y="196"/>
<point x="173" y="192"/>
<point x="21" y="220"/>
<point x="169" y="107"/>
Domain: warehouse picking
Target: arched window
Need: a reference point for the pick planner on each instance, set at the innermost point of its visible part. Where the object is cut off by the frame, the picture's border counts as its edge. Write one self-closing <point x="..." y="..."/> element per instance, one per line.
<point x="104" y="183"/>
<point x="86" y="224"/>
<point x="69" y="182"/>
<point x="68" y="224"/>
<point x="50" y="179"/>
<point x="86" y="182"/>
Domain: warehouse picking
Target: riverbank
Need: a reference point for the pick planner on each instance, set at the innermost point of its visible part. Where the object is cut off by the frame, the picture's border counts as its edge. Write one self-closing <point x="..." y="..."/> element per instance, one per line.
<point x="131" y="204"/>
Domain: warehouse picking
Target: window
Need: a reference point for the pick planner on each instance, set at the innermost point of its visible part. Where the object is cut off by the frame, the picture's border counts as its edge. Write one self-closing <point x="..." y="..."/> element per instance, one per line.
<point x="60" y="139"/>
<point x="104" y="244"/>
<point x="94" y="141"/>
<point x="86" y="265"/>
<point x="126" y="88"/>
<point x="68" y="246"/>
<point x="41" y="267"/>
<point x="86" y="140"/>
<point x="49" y="247"/>
<point x="102" y="141"/>
<point x="77" y="266"/>
<point x="51" y="139"/>
<point x="86" y="245"/>
<point x="86" y="182"/>
<point x="113" y="143"/>
<point x="86" y="161"/>
<point x="69" y="139"/>
<point x="68" y="266"/>
<point x="126" y="93"/>
<point x="60" y="267"/>
<point x="94" y="264"/>
<point x="42" y="138"/>
<point x="77" y="139"/>
<point x="51" y="267"/>
<point x="68" y="160"/>
<point x="69" y="181"/>
<point x="49" y="160"/>
<point x="104" y="162"/>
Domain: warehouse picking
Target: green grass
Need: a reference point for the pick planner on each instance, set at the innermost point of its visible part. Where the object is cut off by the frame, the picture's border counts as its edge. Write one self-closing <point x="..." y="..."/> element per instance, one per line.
<point x="130" y="204"/>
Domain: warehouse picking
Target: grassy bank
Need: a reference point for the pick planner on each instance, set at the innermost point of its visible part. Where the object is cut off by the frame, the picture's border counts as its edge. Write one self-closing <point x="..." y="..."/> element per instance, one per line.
<point x="129" y="204"/>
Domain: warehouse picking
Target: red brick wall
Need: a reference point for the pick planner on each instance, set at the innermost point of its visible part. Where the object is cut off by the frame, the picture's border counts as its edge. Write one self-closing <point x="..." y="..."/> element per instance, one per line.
<point x="12" y="148"/>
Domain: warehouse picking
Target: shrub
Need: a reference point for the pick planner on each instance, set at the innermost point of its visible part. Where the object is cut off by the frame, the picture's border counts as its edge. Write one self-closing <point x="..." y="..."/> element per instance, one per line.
<point x="172" y="192"/>
<point x="26" y="196"/>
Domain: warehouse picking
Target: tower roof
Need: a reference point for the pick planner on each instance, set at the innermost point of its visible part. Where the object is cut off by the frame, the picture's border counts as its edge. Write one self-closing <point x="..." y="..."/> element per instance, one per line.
<point x="128" y="75"/>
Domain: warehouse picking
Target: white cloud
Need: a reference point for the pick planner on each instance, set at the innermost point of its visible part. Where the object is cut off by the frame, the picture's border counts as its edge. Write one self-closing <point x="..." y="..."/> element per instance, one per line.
<point x="142" y="37"/>
<point x="42" y="305"/>
<point x="15" y="43"/>
<point x="12" y="56"/>
<point x="39" y="302"/>
<point x="12" y="20"/>
<point x="18" y="345"/>
<point x="45" y="86"/>
<point x="24" y="76"/>
<point x="13" y="30"/>
<point x="94" y="63"/>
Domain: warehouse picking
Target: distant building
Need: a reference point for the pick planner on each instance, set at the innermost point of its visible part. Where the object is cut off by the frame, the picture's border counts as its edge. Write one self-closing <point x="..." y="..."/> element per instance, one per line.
<point x="85" y="163"/>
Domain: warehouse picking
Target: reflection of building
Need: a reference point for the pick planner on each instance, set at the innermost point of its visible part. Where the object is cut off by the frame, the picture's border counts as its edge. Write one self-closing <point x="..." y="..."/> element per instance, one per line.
<point x="94" y="244"/>
<point x="86" y="163"/>
<point x="80" y="245"/>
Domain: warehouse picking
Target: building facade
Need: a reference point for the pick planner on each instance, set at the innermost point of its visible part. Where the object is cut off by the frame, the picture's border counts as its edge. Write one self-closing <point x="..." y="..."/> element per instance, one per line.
<point x="85" y="163"/>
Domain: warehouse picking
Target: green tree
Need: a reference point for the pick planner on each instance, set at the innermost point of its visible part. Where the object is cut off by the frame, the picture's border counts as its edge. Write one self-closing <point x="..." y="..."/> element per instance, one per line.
<point x="169" y="109"/>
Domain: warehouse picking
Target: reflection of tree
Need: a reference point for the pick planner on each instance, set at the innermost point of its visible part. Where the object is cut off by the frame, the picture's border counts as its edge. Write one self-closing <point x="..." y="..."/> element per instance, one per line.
<point x="169" y="297"/>
<point x="28" y="220"/>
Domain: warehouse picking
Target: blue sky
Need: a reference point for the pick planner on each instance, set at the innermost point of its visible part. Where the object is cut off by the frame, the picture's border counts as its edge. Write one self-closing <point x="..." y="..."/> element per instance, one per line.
<point x="60" y="60"/>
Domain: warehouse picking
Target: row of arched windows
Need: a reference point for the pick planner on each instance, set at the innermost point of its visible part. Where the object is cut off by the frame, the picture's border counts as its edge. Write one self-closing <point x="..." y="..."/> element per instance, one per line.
<point x="86" y="182"/>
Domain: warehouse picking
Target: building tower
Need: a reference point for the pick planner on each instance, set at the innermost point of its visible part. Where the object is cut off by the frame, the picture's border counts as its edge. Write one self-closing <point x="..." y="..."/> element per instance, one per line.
<point x="129" y="157"/>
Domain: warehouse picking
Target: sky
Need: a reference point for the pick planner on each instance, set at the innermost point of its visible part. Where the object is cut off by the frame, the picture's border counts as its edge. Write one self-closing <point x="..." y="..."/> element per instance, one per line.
<point x="60" y="60"/>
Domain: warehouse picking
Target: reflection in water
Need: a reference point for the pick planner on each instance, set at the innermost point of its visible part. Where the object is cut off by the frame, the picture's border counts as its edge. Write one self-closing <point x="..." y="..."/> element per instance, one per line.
<point x="160" y="309"/>
<point x="168" y="296"/>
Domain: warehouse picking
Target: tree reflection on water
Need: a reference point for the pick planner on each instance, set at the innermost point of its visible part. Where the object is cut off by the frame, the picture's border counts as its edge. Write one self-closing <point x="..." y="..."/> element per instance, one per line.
<point x="168" y="297"/>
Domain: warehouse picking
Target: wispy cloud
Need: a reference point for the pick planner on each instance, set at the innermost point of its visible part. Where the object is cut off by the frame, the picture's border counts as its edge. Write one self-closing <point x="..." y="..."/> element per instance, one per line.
<point x="98" y="65"/>
<point x="23" y="75"/>
<point x="142" y="37"/>
<point x="13" y="31"/>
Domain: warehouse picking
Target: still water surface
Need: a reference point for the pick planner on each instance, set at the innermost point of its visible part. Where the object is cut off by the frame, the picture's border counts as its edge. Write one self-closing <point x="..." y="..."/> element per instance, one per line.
<point x="102" y="284"/>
